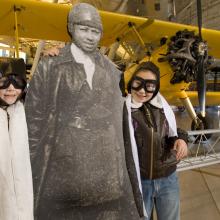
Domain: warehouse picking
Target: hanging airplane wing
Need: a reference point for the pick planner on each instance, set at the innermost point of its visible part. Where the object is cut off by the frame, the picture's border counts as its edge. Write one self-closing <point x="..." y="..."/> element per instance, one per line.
<point x="173" y="47"/>
<point x="42" y="20"/>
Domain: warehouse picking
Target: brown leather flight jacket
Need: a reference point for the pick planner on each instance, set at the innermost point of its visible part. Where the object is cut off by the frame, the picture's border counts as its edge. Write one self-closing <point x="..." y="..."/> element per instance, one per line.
<point x="155" y="150"/>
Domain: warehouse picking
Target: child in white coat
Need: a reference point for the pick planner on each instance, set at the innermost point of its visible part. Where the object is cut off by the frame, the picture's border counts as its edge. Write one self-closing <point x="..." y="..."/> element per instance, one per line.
<point x="16" y="192"/>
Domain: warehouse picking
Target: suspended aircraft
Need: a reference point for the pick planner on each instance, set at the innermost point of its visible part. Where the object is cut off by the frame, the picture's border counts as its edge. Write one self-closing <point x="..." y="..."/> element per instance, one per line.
<point x="184" y="53"/>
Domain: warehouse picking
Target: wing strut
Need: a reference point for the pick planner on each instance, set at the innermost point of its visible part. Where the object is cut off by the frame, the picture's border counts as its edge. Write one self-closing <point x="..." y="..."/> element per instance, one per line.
<point x="188" y="105"/>
<point x="16" y="9"/>
<point x="196" y="120"/>
<point x="126" y="47"/>
<point x="136" y="33"/>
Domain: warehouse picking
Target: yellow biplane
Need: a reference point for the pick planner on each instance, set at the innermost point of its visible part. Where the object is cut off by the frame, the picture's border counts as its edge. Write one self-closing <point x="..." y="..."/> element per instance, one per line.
<point x="179" y="50"/>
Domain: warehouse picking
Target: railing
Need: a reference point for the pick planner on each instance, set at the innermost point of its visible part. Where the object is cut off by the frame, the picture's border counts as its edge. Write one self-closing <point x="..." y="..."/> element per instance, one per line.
<point x="202" y="151"/>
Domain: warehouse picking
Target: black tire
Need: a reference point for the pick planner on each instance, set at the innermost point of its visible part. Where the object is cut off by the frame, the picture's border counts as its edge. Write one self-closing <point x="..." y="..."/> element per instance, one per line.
<point x="204" y="124"/>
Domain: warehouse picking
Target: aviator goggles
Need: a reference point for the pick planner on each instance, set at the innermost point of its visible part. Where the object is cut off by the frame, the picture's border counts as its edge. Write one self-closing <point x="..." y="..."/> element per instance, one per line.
<point x="148" y="85"/>
<point x="16" y="81"/>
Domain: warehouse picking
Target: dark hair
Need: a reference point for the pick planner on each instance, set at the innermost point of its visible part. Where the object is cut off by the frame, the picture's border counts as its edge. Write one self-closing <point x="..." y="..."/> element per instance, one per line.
<point x="145" y="66"/>
<point x="13" y="66"/>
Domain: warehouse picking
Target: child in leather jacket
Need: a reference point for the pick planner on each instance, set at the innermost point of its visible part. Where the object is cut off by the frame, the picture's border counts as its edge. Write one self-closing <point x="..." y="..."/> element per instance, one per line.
<point x="16" y="194"/>
<point x="159" y="144"/>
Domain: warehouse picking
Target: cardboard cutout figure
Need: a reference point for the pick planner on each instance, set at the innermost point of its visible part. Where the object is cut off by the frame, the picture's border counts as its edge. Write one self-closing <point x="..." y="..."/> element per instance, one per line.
<point x="74" y="113"/>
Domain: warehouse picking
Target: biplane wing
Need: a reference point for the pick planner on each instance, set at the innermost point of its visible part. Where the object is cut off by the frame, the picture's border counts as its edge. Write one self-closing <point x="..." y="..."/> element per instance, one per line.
<point x="48" y="21"/>
<point x="174" y="98"/>
<point x="37" y="20"/>
<point x="42" y="20"/>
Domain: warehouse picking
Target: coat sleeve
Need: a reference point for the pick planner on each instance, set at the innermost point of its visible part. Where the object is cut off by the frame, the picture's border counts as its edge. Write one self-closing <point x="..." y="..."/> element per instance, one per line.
<point x="131" y="165"/>
<point x="182" y="134"/>
<point x="122" y="85"/>
<point x="35" y="106"/>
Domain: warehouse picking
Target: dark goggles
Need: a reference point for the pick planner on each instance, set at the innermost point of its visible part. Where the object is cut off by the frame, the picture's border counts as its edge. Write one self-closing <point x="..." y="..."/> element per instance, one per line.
<point x="16" y="81"/>
<point x="148" y="85"/>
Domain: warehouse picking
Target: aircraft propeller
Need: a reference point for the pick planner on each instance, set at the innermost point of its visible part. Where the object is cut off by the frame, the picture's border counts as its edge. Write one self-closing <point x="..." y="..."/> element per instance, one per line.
<point x="200" y="68"/>
<point x="188" y="57"/>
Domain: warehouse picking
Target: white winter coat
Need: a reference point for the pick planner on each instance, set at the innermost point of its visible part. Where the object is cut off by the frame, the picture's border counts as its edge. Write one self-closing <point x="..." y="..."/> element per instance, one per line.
<point x="16" y="191"/>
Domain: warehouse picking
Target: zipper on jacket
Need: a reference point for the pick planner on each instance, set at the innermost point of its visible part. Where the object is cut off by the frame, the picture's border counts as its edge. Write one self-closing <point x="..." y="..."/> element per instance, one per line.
<point x="151" y="153"/>
<point x="149" y="117"/>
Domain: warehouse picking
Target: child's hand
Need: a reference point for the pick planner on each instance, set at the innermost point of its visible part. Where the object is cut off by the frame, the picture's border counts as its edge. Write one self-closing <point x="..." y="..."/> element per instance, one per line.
<point x="181" y="149"/>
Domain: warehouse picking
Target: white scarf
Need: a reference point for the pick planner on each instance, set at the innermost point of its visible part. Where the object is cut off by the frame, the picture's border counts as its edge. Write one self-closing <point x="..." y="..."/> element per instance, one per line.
<point x="16" y="193"/>
<point x="157" y="101"/>
<point x="134" y="147"/>
<point x="84" y="59"/>
<point x="160" y="102"/>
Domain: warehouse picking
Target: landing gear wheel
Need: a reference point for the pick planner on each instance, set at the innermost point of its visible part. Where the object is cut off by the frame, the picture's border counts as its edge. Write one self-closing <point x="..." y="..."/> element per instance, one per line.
<point x="203" y="124"/>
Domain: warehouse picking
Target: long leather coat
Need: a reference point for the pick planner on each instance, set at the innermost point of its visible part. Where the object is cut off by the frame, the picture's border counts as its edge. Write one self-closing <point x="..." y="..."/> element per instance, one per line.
<point x="76" y="142"/>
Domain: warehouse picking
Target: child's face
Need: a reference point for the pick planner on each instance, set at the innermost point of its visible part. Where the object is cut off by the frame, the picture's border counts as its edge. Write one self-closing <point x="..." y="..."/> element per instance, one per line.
<point x="140" y="95"/>
<point x="10" y="94"/>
